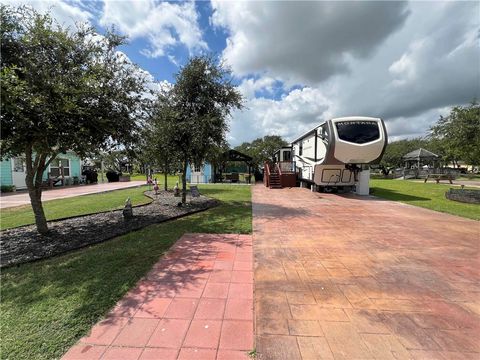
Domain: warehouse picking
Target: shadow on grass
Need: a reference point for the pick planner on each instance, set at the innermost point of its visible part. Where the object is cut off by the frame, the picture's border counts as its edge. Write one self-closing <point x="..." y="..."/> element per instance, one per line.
<point x="396" y="196"/>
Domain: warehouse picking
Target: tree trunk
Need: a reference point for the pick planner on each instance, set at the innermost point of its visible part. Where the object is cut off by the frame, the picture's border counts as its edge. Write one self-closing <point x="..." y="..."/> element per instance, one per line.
<point x="33" y="181"/>
<point x="37" y="207"/>
<point x="184" y="182"/>
<point x="165" y="169"/>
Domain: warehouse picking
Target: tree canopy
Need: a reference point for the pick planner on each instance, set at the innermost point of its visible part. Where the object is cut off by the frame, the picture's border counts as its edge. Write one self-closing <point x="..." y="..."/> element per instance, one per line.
<point x="262" y="149"/>
<point x="62" y="89"/>
<point x="201" y="100"/>
<point x="459" y="134"/>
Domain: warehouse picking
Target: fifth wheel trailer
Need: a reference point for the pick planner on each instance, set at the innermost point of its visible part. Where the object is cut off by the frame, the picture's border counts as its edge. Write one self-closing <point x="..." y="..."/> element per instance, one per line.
<point x="332" y="155"/>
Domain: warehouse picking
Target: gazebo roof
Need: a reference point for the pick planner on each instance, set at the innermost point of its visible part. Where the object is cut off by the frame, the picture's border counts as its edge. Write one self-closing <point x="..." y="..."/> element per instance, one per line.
<point x="420" y="154"/>
<point x="234" y="155"/>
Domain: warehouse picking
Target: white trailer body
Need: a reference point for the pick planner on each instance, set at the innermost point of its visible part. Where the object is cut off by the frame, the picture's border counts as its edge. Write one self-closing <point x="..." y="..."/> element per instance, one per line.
<point x="331" y="154"/>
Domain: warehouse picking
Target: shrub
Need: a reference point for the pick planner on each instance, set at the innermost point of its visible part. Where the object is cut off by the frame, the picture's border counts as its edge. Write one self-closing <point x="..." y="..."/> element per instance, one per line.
<point x="91" y="176"/>
<point x="113" y="176"/>
<point x="7" y="188"/>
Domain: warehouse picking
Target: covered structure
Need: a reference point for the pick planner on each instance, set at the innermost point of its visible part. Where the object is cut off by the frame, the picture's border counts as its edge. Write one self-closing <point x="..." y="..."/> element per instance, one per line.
<point x="420" y="157"/>
<point x="222" y="173"/>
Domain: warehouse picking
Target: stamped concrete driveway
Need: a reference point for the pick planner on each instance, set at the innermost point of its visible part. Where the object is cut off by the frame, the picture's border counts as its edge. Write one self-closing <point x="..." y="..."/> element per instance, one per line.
<point x="344" y="277"/>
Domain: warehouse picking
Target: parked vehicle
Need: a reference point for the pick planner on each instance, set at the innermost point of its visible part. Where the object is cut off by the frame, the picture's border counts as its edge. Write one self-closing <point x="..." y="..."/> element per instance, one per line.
<point x="331" y="155"/>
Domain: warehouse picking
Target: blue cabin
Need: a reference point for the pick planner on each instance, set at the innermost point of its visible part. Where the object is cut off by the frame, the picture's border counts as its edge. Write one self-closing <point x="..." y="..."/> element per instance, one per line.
<point x="13" y="170"/>
<point x="199" y="174"/>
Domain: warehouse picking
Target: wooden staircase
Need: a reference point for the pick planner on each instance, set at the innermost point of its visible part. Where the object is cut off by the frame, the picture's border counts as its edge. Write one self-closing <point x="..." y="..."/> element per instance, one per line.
<point x="274" y="181"/>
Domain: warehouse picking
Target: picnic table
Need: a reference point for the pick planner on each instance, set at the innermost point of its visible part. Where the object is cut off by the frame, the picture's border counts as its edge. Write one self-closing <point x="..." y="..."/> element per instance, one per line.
<point x="438" y="177"/>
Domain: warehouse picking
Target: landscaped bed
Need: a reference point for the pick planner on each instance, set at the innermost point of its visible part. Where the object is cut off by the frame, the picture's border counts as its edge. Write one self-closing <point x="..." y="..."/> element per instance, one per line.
<point x="24" y="243"/>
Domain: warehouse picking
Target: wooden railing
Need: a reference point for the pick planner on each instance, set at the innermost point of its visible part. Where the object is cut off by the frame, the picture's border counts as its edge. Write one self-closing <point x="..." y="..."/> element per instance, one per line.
<point x="266" y="173"/>
<point x="286" y="166"/>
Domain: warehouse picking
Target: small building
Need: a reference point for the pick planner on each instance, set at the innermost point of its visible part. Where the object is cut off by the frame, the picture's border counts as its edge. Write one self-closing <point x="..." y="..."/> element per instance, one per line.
<point x="232" y="166"/>
<point x="199" y="174"/>
<point x="13" y="171"/>
<point x="420" y="157"/>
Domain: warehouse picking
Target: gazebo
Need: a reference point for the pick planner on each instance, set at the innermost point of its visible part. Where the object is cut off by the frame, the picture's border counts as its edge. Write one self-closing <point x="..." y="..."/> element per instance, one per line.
<point x="228" y="156"/>
<point x="419" y="156"/>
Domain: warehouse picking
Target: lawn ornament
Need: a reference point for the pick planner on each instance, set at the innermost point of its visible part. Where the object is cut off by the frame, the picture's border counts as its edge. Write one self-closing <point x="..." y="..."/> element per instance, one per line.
<point x="128" y="210"/>
<point x="176" y="190"/>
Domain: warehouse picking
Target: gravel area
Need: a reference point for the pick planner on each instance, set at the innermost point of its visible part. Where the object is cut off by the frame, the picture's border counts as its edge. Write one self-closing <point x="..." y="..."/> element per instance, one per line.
<point x="24" y="244"/>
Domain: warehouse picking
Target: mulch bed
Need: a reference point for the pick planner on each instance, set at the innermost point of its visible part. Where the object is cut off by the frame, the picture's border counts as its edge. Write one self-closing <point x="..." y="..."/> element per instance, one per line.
<point x="24" y="244"/>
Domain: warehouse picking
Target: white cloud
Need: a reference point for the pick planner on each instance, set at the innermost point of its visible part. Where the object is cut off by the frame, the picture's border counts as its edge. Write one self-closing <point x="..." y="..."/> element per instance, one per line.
<point x="165" y="25"/>
<point x="294" y="113"/>
<point x="403" y="62"/>
<point x="250" y="86"/>
<point x="65" y="13"/>
<point x="303" y="42"/>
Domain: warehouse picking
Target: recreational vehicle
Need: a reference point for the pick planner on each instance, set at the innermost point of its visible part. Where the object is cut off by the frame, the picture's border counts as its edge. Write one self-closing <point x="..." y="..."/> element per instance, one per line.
<point x="331" y="155"/>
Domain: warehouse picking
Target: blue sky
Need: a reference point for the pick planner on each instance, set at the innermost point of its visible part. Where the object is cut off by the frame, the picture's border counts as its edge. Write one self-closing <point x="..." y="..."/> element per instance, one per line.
<point x="297" y="63"/>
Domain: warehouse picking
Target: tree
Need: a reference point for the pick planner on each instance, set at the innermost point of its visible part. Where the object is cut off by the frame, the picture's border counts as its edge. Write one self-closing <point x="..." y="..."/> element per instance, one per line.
<point x="262" y="149"/>
<point x="202" y="99"/>
<point x="62" y="89"/>
<point x="157" y="147"/>
<point x="459" y="133"/>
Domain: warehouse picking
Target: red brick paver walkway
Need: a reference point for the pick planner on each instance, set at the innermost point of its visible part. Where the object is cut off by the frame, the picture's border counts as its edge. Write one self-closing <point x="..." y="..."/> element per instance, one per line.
<point x="196" y="303"/>
<point x="340" y="277"/>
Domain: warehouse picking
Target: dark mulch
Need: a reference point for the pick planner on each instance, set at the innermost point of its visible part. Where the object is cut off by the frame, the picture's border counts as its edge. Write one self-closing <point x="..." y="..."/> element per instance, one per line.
<point x="24" y="244"/>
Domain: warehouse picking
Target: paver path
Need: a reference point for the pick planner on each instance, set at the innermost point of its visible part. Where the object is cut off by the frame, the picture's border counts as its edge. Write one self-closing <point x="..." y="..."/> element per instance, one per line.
<point x="16" y="199"/>
<point x="196" y="303"/>
<point x="346" y="277"/>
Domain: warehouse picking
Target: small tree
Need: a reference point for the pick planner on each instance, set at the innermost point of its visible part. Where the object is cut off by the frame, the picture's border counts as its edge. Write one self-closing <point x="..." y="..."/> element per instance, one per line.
<point x="459" y="134"/>
<point x="157" y="147"/>
<point x="203" y="98"/>
<point x="62" y="89"/>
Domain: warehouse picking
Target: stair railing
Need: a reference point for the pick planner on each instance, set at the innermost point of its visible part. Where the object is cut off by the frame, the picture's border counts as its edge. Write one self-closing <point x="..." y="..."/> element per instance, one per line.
<point x="266" y="175"/>
<point x="279" y="169"/>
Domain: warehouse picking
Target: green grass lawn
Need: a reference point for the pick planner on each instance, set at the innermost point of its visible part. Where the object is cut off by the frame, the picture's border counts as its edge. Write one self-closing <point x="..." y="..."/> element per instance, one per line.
<point x="48" y="305"/>
<point x="80" y="205"/>
<point x="172" y="179"/>
<point x="427" y="195"/>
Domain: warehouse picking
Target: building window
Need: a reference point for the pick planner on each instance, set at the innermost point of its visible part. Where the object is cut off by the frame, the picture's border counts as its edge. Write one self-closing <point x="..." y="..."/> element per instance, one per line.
<point x="55" y="166"/>
<point x="300" y="150"/>
<point x="18" y="164"/>
<point x="197" y="168"/>
<point x="287" y="155"/>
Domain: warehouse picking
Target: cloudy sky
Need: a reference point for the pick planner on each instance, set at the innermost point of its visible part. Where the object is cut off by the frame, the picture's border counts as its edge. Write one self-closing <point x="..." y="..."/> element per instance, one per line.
<point x="298" y="63"/>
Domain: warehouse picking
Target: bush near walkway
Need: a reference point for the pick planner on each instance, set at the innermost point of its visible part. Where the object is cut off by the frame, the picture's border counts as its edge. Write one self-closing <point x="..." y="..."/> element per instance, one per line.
<point x="48" y="305"/>
<point x="426" y="195"/>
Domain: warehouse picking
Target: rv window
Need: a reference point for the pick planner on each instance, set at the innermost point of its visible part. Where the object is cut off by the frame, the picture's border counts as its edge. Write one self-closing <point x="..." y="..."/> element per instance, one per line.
<point x="358" y="132"/>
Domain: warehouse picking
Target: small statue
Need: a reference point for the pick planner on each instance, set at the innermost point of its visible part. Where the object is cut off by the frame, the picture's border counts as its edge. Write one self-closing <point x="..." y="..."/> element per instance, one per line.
<point x="128" y="210"/>
<point x="176" y="190"/>
<point x="155" y="186"/>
